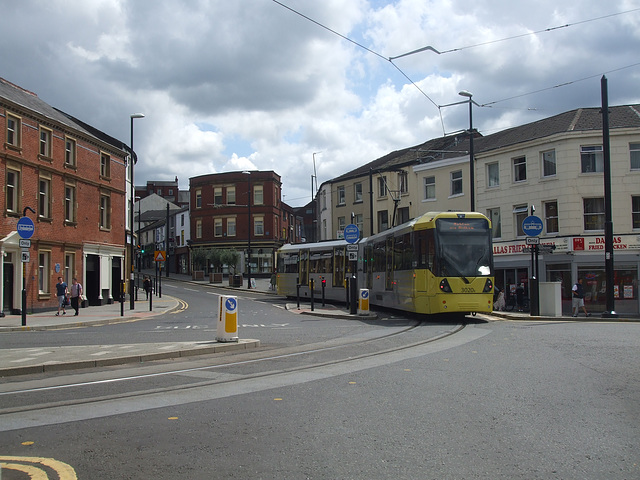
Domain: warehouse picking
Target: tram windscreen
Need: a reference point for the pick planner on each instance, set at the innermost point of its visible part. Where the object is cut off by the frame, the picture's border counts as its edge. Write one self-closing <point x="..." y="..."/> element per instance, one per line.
<point x="463" y="247"/>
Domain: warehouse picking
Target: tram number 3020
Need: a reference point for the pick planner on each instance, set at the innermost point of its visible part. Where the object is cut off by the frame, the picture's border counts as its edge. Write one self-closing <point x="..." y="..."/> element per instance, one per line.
<point x="467" y="290"/>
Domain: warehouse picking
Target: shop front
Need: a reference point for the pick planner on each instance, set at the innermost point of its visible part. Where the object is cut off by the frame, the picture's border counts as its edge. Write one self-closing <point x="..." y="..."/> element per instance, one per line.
<point x="568" y="258"/>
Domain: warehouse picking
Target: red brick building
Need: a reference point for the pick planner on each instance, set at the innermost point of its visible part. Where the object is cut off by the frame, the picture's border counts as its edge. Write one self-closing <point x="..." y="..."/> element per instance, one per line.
<point x="72" y="177"/>
<point x="219" y="211"/>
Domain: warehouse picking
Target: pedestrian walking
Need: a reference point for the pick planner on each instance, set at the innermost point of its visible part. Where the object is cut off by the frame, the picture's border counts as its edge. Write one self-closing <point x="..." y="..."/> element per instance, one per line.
<point x="146" y="284"/>
<point x="61" y="292"/>
<point x="76" y="294"/>
<point x="578" y="299"/>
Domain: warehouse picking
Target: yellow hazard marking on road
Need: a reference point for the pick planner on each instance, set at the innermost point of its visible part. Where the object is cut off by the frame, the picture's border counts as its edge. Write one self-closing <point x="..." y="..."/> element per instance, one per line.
<point x="277" y="399"/>
<point x="182" y="306"/>
<point x="27" y="443"/>
<point x="172" y="418"/>
<point x="352" y="383"/>
<point x="32" y="467"/>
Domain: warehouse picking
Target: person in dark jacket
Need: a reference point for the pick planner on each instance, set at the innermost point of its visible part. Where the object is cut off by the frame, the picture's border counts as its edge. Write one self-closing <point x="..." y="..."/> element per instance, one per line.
<point x="578" y="299"/>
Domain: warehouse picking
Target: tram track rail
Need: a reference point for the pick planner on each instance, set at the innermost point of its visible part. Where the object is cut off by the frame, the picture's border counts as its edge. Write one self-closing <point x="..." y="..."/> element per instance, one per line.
<point x="16" y="401"/>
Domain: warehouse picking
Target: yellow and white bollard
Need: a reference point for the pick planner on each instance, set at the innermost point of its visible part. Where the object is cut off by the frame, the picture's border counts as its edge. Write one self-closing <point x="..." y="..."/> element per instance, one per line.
<point x="227" y="319"/>
<point x="363" y="302"/>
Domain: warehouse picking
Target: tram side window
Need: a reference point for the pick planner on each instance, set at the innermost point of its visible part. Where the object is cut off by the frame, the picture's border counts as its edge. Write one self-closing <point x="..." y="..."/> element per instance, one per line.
<point x="403" y="252"/>
<point x="288" y="263"/>
<point x="424" y="249"/>
<point x="379" y="258"/>
<point x="338" y="272"/>
<point x="320" y="262"/>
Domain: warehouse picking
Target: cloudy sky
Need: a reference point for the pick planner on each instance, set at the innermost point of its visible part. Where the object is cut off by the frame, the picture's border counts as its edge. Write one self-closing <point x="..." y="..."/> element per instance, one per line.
<point x="258" y="84"/>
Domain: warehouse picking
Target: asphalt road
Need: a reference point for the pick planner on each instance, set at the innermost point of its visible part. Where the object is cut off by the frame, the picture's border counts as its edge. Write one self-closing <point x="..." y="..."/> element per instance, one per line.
<point x="497" y="399"/>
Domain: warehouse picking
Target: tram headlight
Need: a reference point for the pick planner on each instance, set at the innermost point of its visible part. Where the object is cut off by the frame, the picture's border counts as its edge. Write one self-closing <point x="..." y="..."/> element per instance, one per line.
<point x="444" y="286"/>
<point x="488" y="286"/>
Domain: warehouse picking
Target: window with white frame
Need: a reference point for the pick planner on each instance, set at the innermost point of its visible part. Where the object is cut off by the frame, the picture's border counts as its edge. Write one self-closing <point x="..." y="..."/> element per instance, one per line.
<point x="635" y="212"/>
<point x="383" y="221"/>
<point x="258" y="226"/>
<point x="403" y="182"/>
<point x="231" y="195"/>
<point x="231" y="227"/>
<point x="429" y="188"/>
<point x="357" y="192"/>
<point x="493" y="174"/>
<point x="199" y="228"/>
<point x="324" y="200"/>
<point x="341" y="195"/>
<point x="519" y="169"/>
<point x="456" y="183"/>
<point x="105" y="165"/>
<point x="44" y="197"/>
<point x="199" y="198"/>
<point x="70" y="203"/>
<point x="382" y="186"/>
<point x="496" y="224"/>
<point x="519" y="214"/>
<point x="360" y="222"/>
<point x="70" y="152"/>
<point x="341" y="224"/>
<point x="551" y="216"/>
<point x="593" y="209"/>
<point x="12" y="189"/>
<point x="217" y="196"/>
<point x="14" y="128"/>
<point x="69" y="267"/>
<point x="105" y="211"/>
<point x="634" y="153"/>
<point x="44" y="261"/>
<point x="549" y="163"/>
<point x="45" y="142"/>
<point x="258" y="198"/>
<point x="591" y="159"/>
<point x="217" y="227"/>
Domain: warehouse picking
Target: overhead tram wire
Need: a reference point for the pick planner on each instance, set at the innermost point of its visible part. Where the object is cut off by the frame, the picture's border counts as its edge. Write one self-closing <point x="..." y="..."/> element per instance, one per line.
<point x="544" y="30"/>
<point x="359" y="45"/>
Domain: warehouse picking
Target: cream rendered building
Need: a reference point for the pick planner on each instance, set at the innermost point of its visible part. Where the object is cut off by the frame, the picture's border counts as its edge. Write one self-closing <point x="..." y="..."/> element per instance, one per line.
<point x="554" y="165"/>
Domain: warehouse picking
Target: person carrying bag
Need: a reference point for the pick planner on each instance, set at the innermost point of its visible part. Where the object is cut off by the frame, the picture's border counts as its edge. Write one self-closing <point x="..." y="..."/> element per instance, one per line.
<point x="76" y="295"/>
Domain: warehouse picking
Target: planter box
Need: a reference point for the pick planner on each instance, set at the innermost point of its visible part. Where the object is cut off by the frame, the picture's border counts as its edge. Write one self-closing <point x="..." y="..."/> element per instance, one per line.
<point x="197" y="275"/>
<point x="215" y="278"/>
<point x="235" y="280"/>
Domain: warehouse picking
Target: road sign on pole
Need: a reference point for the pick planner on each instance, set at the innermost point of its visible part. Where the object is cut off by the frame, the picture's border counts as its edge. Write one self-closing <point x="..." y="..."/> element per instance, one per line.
<point x="351" y="233"/>
<point x="532" y="226"/>
<point x="25" y="227"/>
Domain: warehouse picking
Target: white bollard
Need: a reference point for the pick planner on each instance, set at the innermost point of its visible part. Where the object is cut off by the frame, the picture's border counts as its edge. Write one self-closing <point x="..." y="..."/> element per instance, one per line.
<point x="227" y="319"/>
<point x="363" y="302"/>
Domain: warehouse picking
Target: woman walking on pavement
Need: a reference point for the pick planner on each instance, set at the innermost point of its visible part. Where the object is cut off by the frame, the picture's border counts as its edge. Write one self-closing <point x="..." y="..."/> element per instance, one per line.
<point x="76" y="292"/>
<point x="61" y="292"/>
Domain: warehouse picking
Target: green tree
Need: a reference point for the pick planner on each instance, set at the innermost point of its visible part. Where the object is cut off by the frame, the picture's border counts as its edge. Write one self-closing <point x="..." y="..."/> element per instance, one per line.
<point x="199" y="258"/>
<point x="230" y="258"/>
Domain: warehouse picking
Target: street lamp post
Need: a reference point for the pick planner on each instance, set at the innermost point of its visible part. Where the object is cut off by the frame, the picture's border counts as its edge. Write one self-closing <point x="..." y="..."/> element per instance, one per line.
<point x="472" y="189"/>
<point x="248" y="229"/>
<point x="133" y="161"/>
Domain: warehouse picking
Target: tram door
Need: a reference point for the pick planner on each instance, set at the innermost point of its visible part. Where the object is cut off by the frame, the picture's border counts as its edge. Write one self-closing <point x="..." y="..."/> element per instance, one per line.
<point x="389" y="264"/>
<point x="303" y="269"/>
<point x="368" y="265"/>
<point x="338" y="267"/>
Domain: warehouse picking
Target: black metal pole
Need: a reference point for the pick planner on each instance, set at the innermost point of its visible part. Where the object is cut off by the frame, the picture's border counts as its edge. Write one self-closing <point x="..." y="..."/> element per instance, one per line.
<point x="608" y="217"/>
<point x="166" y="244"/>
<point x="312" y="297"/>
<point x="249" y="234"/>
<point x="472" y="187"/>
<point x="371" y="198"/>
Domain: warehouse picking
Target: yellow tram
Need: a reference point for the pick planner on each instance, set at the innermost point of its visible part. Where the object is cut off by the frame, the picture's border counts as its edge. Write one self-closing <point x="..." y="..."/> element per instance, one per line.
<point x="441" y="262"/>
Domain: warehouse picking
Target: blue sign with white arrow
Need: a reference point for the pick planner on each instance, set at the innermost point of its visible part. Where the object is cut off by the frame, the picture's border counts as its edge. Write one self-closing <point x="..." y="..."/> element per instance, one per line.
<point x="532" y="226"/>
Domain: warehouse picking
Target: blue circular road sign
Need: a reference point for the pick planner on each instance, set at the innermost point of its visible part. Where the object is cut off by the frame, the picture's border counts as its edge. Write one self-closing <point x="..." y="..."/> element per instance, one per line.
<point x="26" y="227"/>
<point x="532" y="226"/>
<point x="231" y="304"/>
<point x="351" y="233"/>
